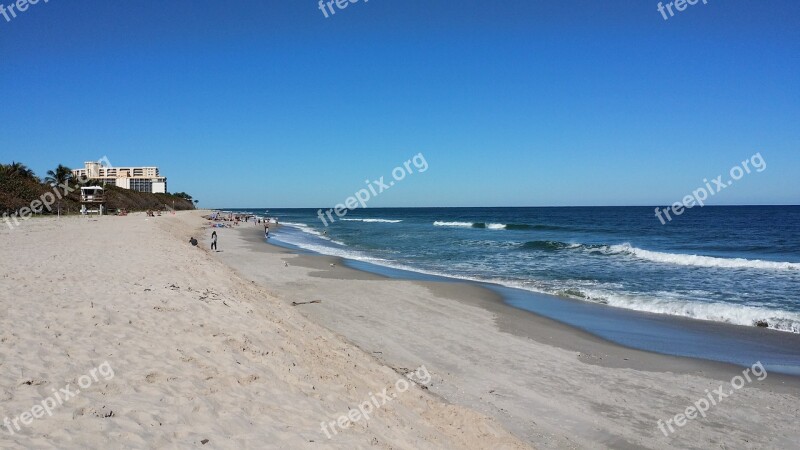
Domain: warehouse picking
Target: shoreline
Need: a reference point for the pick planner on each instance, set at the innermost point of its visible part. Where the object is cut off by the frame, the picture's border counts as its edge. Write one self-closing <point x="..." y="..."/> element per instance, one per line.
<point x="634" y="270"/>
<point x="480" y="347"/>
<point x="715" y="336"/>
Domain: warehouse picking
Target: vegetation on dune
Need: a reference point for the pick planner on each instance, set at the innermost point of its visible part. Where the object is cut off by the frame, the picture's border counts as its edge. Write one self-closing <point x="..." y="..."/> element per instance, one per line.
<point x="119" y="198"/>
<point x="17" y="169"/>
<point x="20" y="188"/>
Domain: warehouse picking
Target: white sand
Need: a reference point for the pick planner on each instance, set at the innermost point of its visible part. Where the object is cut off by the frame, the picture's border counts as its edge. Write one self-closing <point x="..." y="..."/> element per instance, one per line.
<point x="196" y="351"/>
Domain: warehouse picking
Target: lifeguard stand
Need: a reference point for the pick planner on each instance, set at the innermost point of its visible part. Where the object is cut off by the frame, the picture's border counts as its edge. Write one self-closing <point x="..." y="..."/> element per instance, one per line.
<point x="93" y="200"/>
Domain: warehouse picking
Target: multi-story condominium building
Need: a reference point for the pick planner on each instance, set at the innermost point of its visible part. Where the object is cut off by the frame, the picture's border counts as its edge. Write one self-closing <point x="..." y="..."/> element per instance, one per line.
<point x="142" y="179"/>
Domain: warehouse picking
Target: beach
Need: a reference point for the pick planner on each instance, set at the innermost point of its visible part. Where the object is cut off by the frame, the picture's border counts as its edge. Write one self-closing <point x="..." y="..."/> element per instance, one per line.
<point x="159" y="344"/>
<point x="417" y="225"/>
<point x="227" y="347"/>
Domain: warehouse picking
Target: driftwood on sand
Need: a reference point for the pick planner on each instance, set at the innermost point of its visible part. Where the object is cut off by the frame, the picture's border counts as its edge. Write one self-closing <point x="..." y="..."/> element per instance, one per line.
<point x="306" y="303"/>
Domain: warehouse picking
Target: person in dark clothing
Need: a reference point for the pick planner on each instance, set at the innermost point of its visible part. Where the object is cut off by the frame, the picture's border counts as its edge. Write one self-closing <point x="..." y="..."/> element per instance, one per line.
<point x="214" y="241"/>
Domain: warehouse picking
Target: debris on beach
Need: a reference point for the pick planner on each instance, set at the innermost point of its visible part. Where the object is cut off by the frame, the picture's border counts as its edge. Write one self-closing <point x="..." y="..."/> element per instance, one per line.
<point x="306" y="303"/>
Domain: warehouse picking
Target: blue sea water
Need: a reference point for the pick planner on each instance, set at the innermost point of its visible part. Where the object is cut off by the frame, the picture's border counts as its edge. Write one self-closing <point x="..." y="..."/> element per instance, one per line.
<point x="738" y="265"/>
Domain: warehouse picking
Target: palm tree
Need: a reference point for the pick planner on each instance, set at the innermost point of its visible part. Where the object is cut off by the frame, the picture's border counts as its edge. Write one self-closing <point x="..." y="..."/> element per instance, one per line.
<point x="17" y="168"/>
<point x="61" y="176"/>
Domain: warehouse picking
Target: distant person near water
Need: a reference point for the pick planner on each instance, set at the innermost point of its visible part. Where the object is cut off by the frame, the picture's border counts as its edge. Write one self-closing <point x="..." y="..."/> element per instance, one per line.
<point x="214" y="241"/>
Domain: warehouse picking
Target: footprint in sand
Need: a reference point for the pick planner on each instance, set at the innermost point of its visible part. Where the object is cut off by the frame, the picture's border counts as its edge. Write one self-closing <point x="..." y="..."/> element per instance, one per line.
<point x="152" y="377"/>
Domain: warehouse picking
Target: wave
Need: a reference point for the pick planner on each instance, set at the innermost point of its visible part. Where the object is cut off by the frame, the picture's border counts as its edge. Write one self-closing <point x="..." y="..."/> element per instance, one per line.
<point x="496" y="226"/>
<point x="307" y="229"/>
<point x="661" y="303"/>
<point x="662" y="257"/>
<point x="453" y="224"/>
<point x="524" y="226"/>
<point x="548" y="246"/>
<point x="372" y="220"/>
<point x="698" y="260"/>
<point x="716" y="312"/>
<point x="489" y="226"/>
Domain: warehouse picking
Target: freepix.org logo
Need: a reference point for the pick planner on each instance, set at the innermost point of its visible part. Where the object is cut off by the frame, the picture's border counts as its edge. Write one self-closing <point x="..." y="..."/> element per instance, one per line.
<point x="20" y="6"/>
<point x="679" y="5"/>
<point x="58" y="398"/>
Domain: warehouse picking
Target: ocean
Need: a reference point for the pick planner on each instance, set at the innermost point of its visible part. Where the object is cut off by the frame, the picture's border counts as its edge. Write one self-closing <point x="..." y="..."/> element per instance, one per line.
<point x="735" y="265"/>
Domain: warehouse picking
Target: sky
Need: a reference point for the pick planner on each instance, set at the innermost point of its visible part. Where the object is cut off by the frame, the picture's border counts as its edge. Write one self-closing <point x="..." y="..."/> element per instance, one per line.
<point x="514" y="103"/>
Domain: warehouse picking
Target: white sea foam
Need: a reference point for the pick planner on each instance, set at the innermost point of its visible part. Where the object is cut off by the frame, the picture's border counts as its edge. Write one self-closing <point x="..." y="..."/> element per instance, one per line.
<point x="307" y="229"/>
<point x="488" y="226"/>
<point x="697" y="260"/>
<point x="322" y="248"/>
<point x="439" y="223"/>
<point x="372" y="220"/>
<point x="716" y="311"/>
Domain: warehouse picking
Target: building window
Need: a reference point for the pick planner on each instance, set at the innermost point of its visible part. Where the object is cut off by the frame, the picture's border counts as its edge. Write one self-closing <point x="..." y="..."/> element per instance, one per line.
<point x="141" y="185"/>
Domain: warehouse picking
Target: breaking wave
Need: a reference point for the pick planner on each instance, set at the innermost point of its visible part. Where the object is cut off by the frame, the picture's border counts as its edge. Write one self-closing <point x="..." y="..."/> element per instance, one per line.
<point x="498" y="226"/>
<point x="662" y="257"/>
<point x="372" y="220"/>
<point x="716" y="312"/>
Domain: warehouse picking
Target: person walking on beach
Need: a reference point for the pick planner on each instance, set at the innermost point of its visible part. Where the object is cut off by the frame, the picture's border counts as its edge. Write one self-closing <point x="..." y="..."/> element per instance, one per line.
<point x="214" y="241"/>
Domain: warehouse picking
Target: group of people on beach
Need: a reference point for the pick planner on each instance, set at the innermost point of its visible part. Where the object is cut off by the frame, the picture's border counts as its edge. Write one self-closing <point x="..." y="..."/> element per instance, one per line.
<point x="239" y="218"/>
<point x="236" y="219"/>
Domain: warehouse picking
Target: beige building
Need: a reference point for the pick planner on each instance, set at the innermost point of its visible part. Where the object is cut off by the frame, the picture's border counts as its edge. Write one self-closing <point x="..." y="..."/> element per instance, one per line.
<point x="142" y="179"/>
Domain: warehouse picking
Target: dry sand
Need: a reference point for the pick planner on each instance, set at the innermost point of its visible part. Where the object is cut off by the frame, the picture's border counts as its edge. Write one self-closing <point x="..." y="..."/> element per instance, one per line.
<point x="200" y="356"/>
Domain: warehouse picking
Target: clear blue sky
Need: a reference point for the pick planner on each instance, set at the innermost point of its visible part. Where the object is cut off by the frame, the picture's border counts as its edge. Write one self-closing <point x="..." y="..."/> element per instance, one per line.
<point x="513" y="103"/>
